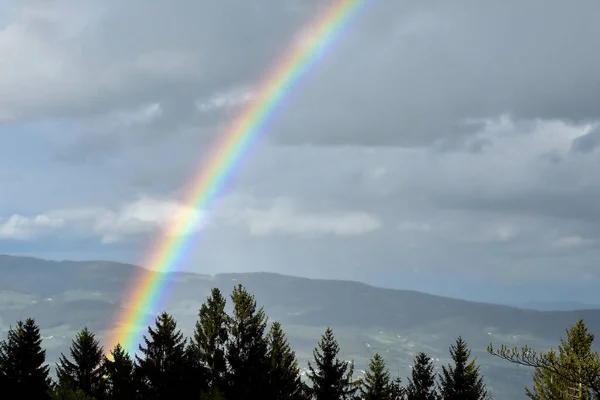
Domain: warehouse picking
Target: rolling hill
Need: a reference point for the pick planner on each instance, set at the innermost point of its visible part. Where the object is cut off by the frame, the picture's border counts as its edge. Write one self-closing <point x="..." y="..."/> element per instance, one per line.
<point x="65" y="296"/>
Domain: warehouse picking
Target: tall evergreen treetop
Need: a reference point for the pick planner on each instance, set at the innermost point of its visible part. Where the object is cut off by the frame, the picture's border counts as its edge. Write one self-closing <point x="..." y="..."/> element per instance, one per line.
<point x="575" y="365"/>
<point x="331" y="377"/>
<point x="23" y="362"/>
<point x="247" y="346"/>
<point x="85" y="371"/>
<point x="210" y="339"/>
<point x="377" y="383"/>
<point x="284" y="374"/>
<point x="120" y="375"/>
<point x="421" y="384"/>
<point x="162" y="367"/>
<point x="574" y="355"/>
<point x="462" y="381"/>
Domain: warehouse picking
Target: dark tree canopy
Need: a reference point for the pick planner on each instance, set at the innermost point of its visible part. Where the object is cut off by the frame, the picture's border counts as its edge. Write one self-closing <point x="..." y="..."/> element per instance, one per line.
<point x="210" y="340"/>
<point x="84" y="371"/>
<point x="422" y="383"/>
<point x="23" y="362"/>
<point x="247" y="346"/>
<point x="229" y="356"/>
<point x="284" y="373"/>
<point x="462" y="381"/>
<point x="120" y="375"/>
<point x="331" y="377"/>
<point x="377" y="383"/>
<point x="162" y="367"/>
<point x="65" y="392"/>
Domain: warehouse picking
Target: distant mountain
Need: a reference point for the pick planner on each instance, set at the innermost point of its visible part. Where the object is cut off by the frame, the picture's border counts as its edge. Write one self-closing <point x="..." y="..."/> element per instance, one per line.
<point x="65" y="296"/>
<point x="557" y="306"/>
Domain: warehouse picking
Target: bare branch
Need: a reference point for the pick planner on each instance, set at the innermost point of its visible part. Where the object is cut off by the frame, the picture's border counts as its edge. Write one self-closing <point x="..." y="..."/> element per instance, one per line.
<point x="589" y="377"/>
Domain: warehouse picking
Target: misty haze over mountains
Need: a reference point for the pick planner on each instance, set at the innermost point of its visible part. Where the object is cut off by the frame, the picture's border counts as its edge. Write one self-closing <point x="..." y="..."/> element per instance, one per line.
<point x="432" y="147"/>
<point x="557" y="305"/>
<point x="433" y="174"/>
<point x="65" y="296"/>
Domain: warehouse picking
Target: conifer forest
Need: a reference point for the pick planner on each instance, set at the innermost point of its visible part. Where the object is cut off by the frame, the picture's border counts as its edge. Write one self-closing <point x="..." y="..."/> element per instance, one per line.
<point x="243" y="355"/>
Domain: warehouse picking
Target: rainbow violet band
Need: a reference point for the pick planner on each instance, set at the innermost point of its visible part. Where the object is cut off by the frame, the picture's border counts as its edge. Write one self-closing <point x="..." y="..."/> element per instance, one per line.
<point x="147" y="290"/>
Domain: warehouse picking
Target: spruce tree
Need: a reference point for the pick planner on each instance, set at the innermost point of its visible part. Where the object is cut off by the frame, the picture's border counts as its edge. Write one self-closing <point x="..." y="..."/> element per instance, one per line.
<point x="247" y="347"/>
<point x="377" y="383"/>
<point x="546" y="384"/>
<point x="331" y="378"/>
<point x="398" y="392"/>
<point x="120" y="375"/>
<point x="209" y="341"/>
<point x="421" y="385"/>
<point x="64" y="392"/>
<point x="575" y="365"/>
<point x="462" y="381"/>
<point x="574" y="354"/>
<point x="162" y="369"/>
<point x="284" y="374"/>
<point x="85" y="371"/>
<point x="23" y="362"/>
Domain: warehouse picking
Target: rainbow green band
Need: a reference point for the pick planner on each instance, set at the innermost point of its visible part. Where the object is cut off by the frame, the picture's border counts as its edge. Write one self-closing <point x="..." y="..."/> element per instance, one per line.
<point x="148" y="288"/>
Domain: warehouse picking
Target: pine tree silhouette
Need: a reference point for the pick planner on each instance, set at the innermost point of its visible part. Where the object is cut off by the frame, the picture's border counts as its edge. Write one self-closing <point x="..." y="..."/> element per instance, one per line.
<point x="209" y="341"/>
<point x="85" y="371"/>
<point x="120" y="375"/>
<point x="331" y="377"/>
<point x="284" y="374"/>
<point x="462" y="381"/>
<point x="247" y="347"/>
<point x="23" y="362"/>
<point x="162" y="368"/>
<point x="377" y="383"/>
<point x="421" y="385"/>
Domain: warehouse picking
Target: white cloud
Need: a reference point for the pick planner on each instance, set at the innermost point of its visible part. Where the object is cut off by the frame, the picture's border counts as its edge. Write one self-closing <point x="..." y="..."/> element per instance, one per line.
<point x="571" y="242"/>
<point x="148" y="215"/>
<point x="145" y="215"/>
<point x="283" y="216"/>
<point x="35" y="66"/>
<point x="226" y="99"/>
<point x="20" y="227"/>
<point x="51" y="59"/>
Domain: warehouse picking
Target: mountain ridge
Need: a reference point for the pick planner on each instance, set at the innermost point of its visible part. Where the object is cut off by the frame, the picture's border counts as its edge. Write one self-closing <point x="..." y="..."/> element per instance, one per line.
<point x="539" y="306"/>
<point x="65" y="296"/>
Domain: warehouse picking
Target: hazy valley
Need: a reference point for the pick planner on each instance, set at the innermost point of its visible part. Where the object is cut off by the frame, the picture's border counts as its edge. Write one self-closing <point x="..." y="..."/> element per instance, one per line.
<point x="65" y="296"/>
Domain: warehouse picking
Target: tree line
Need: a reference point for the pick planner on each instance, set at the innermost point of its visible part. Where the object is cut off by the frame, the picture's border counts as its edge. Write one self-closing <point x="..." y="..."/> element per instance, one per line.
<point x="239" y="356"/>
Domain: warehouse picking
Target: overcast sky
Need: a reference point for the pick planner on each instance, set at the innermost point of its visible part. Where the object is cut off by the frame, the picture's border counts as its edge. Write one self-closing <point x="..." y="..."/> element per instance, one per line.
<point x="450" y="147"/>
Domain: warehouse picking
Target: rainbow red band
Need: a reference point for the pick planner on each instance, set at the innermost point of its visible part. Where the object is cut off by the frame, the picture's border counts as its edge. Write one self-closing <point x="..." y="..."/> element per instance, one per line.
<point x="147" y="290"/>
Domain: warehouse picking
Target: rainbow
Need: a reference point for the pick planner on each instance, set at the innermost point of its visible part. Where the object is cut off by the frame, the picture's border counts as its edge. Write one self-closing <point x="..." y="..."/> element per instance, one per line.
<point x="148" y="288"/>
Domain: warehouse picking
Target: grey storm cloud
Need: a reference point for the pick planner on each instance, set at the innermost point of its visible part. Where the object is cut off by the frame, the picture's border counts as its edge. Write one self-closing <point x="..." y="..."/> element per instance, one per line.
<point x="588" y="142"/>
<point x="458" y="136"/>
<point x="94" y="58"/>
<point x="422" y="72"/>
<point x="402" y="73"/>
